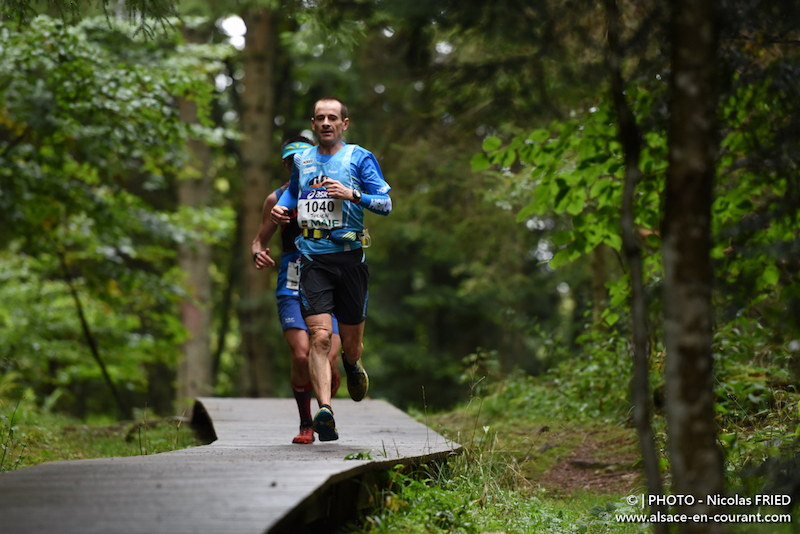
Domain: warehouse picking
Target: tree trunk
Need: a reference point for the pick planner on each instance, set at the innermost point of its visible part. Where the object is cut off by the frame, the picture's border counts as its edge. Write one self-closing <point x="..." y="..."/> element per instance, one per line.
<point x="257" y="119"/>
<point x="194" y="190"/>
<point x="599" y="279"/>
<point x="686" y="232"/>
<point x="630" y="137"/>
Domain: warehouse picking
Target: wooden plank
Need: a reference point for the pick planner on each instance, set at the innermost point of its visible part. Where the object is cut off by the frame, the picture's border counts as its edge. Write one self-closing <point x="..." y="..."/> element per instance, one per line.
<point x="252" y="479"/>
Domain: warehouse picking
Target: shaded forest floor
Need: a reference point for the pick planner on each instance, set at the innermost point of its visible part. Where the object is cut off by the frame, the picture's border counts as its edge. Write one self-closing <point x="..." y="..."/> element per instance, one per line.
<point x="561" y="458"/>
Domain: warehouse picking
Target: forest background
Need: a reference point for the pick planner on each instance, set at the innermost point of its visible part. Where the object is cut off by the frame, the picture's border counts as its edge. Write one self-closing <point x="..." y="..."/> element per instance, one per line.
<point x="135" y="155"/>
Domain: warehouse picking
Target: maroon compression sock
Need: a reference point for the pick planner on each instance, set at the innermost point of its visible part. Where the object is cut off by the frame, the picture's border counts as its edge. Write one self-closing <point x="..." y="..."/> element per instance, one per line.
<point x="303" y="394"/>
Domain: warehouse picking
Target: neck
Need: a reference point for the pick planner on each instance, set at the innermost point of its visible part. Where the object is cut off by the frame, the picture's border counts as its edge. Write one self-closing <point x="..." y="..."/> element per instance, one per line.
<point x="330" y="150"/>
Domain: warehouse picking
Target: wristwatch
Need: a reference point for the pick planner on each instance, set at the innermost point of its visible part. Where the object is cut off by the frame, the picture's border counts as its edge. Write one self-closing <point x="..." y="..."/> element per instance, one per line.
<point x="356" y="196"/>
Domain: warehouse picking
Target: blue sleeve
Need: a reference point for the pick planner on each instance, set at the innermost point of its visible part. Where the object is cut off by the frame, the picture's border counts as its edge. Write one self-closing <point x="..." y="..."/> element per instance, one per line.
<point x="380" y="204"/>
<point x="375" y="196"/>
<point x="289" y="198"/>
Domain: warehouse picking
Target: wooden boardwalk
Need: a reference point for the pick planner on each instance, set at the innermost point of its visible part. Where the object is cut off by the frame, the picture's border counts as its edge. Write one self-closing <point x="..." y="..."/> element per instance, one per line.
<point x="252" y="479"/>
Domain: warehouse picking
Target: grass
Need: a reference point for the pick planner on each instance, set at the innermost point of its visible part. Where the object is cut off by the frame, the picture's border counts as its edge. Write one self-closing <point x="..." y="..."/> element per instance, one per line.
<point x="514" y="441"/>
<point x="30" y="436"/>
<point x="535" y="461"/>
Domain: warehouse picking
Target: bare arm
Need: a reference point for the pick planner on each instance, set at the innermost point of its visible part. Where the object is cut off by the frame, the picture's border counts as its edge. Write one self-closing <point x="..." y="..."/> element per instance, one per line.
<point x="266" y="230"/>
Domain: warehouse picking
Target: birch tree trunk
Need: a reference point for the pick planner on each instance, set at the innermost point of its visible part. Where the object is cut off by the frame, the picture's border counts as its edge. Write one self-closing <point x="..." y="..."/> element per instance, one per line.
<point x="194" y="190"/>
<point x="257" y="119"/>
<point x="686" y="232"/>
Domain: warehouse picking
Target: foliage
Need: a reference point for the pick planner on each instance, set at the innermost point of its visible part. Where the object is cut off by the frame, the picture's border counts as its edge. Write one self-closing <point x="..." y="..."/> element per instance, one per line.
<point x="147" y="15"/>
<point x="90" y="140"/>
<point x="573" y="170"/>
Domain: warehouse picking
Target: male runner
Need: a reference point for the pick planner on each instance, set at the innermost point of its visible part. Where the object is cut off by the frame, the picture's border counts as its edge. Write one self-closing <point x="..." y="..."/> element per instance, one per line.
<point x="330" y="186"/>
<point x="294" y="328"/>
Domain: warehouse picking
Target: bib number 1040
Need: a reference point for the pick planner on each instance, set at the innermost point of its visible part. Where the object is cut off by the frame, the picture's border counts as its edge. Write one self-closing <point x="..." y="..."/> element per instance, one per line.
<point x="316" y="210"/>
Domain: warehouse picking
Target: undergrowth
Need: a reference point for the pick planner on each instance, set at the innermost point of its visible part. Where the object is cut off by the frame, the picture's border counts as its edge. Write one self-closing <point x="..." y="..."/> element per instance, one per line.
<point x="30" y="435"/>
<point x="490" y="486"/>
<point x="481" y="490"/>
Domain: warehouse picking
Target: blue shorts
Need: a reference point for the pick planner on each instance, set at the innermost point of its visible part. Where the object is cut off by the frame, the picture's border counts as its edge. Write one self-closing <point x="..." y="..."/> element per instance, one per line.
<point x="289" y="313"/>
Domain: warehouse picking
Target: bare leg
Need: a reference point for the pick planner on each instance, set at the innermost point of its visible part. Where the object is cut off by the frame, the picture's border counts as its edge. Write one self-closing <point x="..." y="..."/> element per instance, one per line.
<point x="333" y="357"/>
<point x="357" y="378"/>
<point x="320" y="330"/>
<point x="352" y="336"/>
<point x="297" y="339"/>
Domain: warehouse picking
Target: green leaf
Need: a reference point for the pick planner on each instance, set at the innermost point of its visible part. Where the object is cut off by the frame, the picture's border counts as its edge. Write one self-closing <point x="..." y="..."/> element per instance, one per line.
<point x="562" y="238"/>
<point x="577" y="202"/>
<point x="598" y="187"/>
<point x="490" y="144"/>
<point x="562" y="257"/>
<point x="509" y="157"/>
<point x="614" y="241"/>
<point x="539" y="135"/>
<point x="480" y="162"/>
<point x="770" y="276"/>
<point x="561" y="190"/>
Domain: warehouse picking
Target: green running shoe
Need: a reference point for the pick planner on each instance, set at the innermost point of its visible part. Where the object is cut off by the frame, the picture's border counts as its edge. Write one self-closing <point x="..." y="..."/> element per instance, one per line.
<point x="357" y="380"/>
<point x="324" y="425"/>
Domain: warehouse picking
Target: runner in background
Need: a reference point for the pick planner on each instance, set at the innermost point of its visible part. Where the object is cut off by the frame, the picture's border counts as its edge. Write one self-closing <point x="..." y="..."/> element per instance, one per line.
<point x="294" y="328"/>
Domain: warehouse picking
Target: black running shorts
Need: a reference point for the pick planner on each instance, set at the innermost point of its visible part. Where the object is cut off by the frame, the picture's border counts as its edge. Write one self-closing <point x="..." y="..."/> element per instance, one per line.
<point x="335" y="283"/>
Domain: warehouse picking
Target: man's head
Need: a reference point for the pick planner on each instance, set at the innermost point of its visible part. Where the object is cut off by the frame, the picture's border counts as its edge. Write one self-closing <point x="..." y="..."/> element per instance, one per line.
<point x="292" y="146"/>
<point x="329" y="121"/>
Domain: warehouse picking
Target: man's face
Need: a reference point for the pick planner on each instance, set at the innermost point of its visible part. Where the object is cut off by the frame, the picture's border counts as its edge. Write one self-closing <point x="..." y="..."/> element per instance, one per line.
<point x="328" y="123"/>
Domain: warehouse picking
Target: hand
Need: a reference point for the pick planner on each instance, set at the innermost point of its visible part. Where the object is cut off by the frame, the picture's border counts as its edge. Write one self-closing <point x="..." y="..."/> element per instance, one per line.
<point x="279" y="215"/>
<point x="264" y="260"/>
<point x="336" y="189"/>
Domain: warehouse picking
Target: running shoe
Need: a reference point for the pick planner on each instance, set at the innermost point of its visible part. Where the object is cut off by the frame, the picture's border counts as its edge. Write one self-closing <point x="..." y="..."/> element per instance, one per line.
<point x="306" y="435"/>
<point x="336" y="379"/>
<point x="324" y="425"/>
<point x="357" y="380"/>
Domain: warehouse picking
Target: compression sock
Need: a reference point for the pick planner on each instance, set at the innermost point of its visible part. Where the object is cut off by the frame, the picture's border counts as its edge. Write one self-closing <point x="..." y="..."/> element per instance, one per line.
<point x="303" y="394"/>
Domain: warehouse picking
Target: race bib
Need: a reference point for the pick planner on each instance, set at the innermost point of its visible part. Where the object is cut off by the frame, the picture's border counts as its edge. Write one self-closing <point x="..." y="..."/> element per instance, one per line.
<point x="316" y="210"/>
<point x="293" y="275"/>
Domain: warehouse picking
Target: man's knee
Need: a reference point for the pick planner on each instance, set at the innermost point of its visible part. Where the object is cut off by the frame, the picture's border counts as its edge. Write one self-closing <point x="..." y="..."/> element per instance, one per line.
<point x="300" y="359"/>
<point x="320" y="337"/>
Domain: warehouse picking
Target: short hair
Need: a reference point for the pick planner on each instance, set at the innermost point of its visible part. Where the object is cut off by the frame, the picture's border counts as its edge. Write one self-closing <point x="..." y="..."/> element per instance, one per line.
<point x="296" y="139"/>
<point x="332" y="99"/>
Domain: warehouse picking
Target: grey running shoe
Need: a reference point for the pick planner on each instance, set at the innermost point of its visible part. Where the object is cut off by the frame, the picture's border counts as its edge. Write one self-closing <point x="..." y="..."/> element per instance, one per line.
<point x="357" y="380"/>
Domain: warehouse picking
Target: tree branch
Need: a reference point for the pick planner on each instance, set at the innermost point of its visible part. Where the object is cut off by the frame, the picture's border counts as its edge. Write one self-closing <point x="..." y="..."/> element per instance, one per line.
<point x="124" y="409"/>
